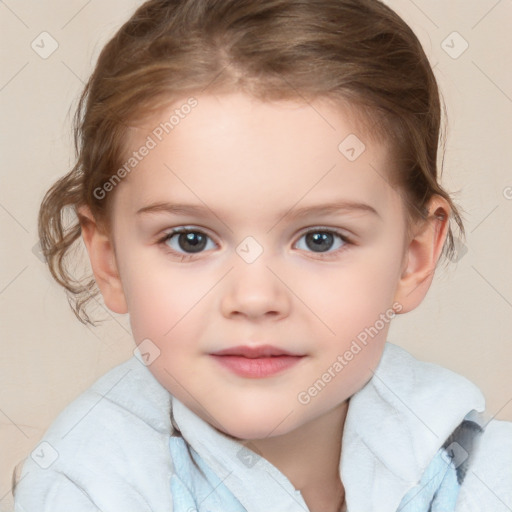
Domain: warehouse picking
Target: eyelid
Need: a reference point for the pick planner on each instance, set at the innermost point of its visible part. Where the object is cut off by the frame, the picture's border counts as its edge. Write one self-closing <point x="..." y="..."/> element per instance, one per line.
<point x="321" y="227"/>
<point x="304" y="231"/>
<point x="186" y="229"/>
<point x="344" y="234"/>
<point x="348" y="240"/>
<point x="163" y="238"/>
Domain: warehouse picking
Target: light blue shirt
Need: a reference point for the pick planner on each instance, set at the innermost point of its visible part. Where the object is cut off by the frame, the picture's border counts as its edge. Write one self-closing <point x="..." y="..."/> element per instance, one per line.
<point x="242" y="480"/>
<point x="111" y="450"/>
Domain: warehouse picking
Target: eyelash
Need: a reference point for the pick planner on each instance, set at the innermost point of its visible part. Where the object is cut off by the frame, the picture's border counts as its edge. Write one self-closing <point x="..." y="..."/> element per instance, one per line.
<point x="347" y="241"/>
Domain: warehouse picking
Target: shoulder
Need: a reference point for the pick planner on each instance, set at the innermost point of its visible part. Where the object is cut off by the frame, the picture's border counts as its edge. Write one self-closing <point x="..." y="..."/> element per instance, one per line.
<point x="107" y="448"/>
<point x="488" y="482"/>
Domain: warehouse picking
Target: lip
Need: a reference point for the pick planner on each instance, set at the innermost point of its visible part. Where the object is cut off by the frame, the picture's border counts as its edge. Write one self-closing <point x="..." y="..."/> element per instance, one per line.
<point x="254" y="352"/>
<point x="256" y="362"/>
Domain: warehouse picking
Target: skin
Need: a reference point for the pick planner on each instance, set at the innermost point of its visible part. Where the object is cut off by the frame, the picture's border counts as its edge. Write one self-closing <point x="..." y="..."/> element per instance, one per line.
<point x="250" y="162"/>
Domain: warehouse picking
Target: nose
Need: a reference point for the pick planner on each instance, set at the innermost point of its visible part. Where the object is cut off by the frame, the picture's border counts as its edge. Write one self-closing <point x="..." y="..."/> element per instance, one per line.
<point x="254" y="292"/>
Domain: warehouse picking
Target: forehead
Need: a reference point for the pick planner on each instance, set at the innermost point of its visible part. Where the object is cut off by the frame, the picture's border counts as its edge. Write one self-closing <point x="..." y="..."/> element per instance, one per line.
<point x="234" y="144"/>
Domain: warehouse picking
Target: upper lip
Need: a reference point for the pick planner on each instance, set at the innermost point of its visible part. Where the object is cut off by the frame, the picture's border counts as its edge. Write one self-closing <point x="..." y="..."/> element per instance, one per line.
<point x="254" y="352"/>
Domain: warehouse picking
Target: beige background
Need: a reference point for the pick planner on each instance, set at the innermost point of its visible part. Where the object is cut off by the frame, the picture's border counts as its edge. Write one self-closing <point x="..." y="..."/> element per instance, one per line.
<point x="47" y="357"/>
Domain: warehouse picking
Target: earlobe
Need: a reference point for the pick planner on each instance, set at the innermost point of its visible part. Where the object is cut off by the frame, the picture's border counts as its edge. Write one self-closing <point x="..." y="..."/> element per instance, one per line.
<point x="103" y="262"/>
<point x="422" y="255"/>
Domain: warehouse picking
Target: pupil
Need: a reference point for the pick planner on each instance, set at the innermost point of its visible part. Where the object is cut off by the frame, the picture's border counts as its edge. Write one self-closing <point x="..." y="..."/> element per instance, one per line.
<point x="192" y="242"/>
<point x="319" y="242"/>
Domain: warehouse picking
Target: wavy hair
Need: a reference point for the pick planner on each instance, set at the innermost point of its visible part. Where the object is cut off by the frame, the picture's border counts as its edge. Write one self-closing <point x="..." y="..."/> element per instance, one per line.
<point x="359" y="53"/>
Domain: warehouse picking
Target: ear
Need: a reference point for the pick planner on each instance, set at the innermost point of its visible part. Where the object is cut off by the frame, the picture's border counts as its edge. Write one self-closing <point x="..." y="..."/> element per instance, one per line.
<point x="421" y="255"/>
<point x="103" y="262"/>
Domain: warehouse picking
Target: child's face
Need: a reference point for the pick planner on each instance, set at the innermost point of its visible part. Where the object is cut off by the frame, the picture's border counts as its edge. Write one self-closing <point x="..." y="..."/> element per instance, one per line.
<point x="248" y="167"/>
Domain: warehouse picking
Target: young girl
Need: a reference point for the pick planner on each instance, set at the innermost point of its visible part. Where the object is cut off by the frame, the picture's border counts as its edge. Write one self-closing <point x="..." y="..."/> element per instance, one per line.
<point x="257" y="186"/>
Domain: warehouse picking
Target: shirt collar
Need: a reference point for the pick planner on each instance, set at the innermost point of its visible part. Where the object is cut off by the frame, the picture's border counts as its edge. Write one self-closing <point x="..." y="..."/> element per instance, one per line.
<point x="254" y="481"/>
<point x="394" y="426"/>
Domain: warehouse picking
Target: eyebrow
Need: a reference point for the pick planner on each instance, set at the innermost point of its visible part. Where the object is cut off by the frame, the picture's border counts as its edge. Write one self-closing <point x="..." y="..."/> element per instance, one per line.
<point x="292" y="213"/>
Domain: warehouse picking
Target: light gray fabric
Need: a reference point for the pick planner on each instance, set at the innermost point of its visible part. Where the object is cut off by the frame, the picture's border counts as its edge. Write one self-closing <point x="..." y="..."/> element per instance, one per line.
<point x="113" y="446"/>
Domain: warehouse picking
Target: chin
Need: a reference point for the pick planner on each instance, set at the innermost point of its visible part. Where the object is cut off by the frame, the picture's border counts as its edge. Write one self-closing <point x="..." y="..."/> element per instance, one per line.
<point x="255" y="426"/>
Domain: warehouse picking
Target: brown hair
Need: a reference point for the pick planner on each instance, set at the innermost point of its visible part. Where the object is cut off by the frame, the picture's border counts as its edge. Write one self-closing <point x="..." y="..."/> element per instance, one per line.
<point x="356" y="52"/>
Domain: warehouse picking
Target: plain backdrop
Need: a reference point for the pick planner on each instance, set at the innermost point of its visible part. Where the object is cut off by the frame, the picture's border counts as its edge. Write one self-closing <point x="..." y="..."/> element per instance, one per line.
<point x="47" y="357"/>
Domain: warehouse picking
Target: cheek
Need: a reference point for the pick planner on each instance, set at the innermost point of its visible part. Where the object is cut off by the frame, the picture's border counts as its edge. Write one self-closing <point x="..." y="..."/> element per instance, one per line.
<point x="157" y="310"/>
<point x="157" y="296"/>
<point x="162" y="305"/>
<point x="351" y="297"/>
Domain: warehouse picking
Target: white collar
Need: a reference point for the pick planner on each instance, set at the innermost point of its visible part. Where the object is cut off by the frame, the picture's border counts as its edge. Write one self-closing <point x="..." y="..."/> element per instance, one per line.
<point x="394" y="426"/>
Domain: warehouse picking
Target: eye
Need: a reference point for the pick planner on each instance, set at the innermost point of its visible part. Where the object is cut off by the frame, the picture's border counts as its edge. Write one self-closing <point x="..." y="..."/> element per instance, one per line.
<point x="322" y="241"/>
<point x="187" y="241"/>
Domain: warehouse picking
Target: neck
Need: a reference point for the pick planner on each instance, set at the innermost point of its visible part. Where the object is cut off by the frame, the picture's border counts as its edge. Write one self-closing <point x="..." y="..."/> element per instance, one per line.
<point x="309" y="457"/>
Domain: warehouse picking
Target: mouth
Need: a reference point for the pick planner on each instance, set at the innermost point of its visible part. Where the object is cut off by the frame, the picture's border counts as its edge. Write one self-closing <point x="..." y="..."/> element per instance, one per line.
<point x="256" y="362"/>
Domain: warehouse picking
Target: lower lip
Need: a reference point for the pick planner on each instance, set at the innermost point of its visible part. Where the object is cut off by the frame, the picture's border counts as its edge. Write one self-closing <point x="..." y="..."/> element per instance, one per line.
<point x="258" y="367"/>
